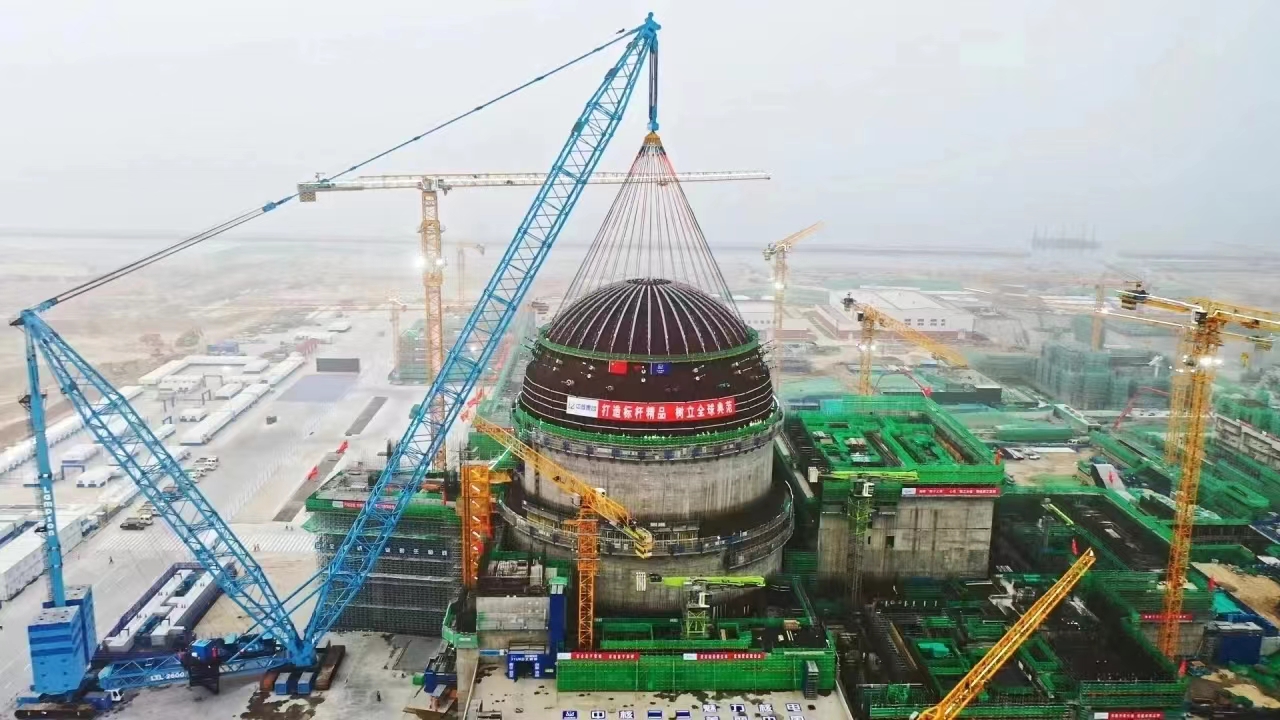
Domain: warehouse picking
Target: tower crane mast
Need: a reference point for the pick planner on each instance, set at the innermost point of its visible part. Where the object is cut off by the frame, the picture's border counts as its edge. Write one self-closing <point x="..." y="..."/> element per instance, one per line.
<point x="871" y="318"/>
<point x="1189" y="411"/>
<point x="777" y="252"/>
<point x="593" y="506"/>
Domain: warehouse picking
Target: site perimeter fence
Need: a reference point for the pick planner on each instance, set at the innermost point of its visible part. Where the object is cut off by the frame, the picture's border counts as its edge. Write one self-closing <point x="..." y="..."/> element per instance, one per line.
<point x="778" y="671"/>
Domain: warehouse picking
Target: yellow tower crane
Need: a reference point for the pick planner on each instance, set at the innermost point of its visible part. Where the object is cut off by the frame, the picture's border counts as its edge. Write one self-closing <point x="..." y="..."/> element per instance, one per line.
<point x="1189" y="409"/>
<point x="593" y="505"/>
<point x="972" y="684"/>
<point x="871" y="319"/>
<point x="777" y="252"/>
<point x="431" y="260"/>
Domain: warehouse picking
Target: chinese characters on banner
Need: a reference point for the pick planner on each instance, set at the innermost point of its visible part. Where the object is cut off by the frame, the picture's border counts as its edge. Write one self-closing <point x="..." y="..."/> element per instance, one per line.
<point x="665" y="412"/>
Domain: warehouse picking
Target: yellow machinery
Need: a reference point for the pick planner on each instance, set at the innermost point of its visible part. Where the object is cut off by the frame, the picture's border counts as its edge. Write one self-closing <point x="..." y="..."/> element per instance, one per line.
<point x="777" y="252"/>
<point x="592" y="504"/>
<point x="697" y="607"/>
<point x="971" y="685"/>
<point x="1189" y="409"/>
<point x="871" y="319"/>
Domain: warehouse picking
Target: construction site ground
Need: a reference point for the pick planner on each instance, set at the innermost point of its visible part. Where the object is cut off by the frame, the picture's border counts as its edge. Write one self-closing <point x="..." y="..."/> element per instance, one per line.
<point x="1260" y="593"/>
<point x="530" y="699"/>
<point x="1052" y="467"/>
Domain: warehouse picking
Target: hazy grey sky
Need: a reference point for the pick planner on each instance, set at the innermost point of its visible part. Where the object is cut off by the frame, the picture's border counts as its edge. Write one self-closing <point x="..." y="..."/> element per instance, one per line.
<point x="902" y="122"/>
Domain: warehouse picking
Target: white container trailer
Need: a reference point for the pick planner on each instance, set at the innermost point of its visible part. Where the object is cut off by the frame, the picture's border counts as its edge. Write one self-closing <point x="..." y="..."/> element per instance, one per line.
<point x="155" y="376"/>
<point x="255" y="366"/>
<point x="81" y="453"/>
<point x="204" y="431"/>
<point x="339" y="326"/>
<point x="63" y="429"/>
<point x="228" y="391"/>
<point x="283" y="370"/>
<point x="94" y="477"/>
<point x="193" y="415"/>
<point x="164" y="431"/>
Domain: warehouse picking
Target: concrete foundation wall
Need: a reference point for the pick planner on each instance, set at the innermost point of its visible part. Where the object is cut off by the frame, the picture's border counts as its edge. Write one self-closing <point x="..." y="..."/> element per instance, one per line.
<point x="925" y="537"/>
<point x="616" y="584"/>
<point x="1190" y="636"/>
<point x="669" y="490"/>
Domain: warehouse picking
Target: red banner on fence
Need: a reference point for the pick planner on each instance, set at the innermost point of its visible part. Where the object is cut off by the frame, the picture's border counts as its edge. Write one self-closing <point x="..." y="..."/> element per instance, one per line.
<point x="650" y="412"/>
<point x="1159" y="617"/>
<point x="953" y="491"/>
<point x="725" y="656"/>
<point x="604" y="656"/>
<point x="1130" y="715"/>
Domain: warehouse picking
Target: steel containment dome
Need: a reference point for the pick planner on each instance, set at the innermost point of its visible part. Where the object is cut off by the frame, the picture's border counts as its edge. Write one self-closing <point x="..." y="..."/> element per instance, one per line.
<point x="645" y="357"/>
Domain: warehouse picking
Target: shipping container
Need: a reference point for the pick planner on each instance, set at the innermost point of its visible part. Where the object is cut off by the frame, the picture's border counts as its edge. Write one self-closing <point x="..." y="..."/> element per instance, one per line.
<point x="94" y="477"/>
<point x="339" y="326"/>
<point x="193" y="415"/>
<point x="351" y="365"/>
<point x="227" y="391"/>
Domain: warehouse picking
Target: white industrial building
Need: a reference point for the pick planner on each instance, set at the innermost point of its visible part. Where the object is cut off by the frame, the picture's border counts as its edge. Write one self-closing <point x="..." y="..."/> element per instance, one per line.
<point x="926" y="312"/>
<point x="757" y="314"/>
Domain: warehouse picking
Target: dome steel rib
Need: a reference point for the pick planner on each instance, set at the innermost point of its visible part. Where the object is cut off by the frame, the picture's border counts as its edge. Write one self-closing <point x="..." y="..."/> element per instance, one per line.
<point x="648" y="317"/>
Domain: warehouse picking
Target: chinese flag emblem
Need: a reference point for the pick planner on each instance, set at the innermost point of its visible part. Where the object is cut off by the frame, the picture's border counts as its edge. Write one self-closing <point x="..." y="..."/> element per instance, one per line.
<point x="618" y="367"/>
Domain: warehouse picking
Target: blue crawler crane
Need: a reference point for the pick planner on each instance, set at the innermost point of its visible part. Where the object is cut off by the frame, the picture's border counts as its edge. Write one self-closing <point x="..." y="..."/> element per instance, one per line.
<point x="62" y="638"/>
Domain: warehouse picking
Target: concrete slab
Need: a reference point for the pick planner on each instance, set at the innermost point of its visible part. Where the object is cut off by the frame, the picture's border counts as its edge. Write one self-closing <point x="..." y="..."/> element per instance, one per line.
<point x="319" y="389"/>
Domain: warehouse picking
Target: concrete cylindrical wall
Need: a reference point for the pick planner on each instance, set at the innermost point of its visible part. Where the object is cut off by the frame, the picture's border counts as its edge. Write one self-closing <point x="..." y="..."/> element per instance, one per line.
<point x="664" y="490"/>
<point x="616" y="584"/>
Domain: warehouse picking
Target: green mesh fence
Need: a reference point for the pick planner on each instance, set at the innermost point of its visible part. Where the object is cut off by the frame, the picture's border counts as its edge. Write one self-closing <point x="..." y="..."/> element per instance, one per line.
<point x="779" y="670"/>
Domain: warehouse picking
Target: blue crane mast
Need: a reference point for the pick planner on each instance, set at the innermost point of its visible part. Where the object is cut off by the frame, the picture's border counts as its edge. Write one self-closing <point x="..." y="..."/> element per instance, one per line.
<point x="162" y="480"/>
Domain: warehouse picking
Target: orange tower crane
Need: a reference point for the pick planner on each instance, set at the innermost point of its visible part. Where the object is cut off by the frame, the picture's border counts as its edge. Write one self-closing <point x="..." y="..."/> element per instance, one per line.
<point x="872" y="319"/>
<point x="972" y="684"/>
<point x="777" y="252"/>
<point x="593" y="506"/>
<point x="1189" y="414"/>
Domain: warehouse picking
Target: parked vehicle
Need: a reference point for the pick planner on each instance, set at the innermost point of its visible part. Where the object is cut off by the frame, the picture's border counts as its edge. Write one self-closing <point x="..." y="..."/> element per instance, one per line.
<point x="133" y="524"/>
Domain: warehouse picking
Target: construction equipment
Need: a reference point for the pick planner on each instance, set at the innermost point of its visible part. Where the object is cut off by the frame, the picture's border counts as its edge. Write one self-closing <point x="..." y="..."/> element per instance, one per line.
<point x="862" y="485"/>
<point x="1128" y="408"/>
<point x="462" y="268"/>
<point x="432" y="262"/>
<point x="1189" y="411"/>
<point x="696" y="616"/>
<point x="178" y="500"/>
<point x="972" y="684"/>
<point x="777" y="252"/>
<point x="871" y="318"/>
<point x="592" y="503"/>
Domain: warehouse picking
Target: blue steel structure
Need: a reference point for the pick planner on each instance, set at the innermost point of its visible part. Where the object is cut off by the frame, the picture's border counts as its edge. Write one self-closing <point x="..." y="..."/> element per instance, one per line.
<point x="193" y="519"/>
<point x="408" y="463"/>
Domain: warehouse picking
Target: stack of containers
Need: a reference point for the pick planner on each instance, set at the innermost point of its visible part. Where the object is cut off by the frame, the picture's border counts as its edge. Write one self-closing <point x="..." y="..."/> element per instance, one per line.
<point x="118" y="496"/>
<point x="227" y="391"/>
<point x="286" y="368"/>
<point x="164" y="617"/>
<point x="204" y="430"/>
<point x="22" y="558"/>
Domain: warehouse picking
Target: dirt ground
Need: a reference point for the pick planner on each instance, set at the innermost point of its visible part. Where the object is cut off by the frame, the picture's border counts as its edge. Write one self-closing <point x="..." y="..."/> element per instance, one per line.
<point x="1260" y="593"/>
<point x="1229" y="681"/>
<point x="1050" y="466"/>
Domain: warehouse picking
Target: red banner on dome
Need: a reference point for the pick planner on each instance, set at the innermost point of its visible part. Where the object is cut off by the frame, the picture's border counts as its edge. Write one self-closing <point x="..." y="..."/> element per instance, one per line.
<point x="642" y="412"/>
